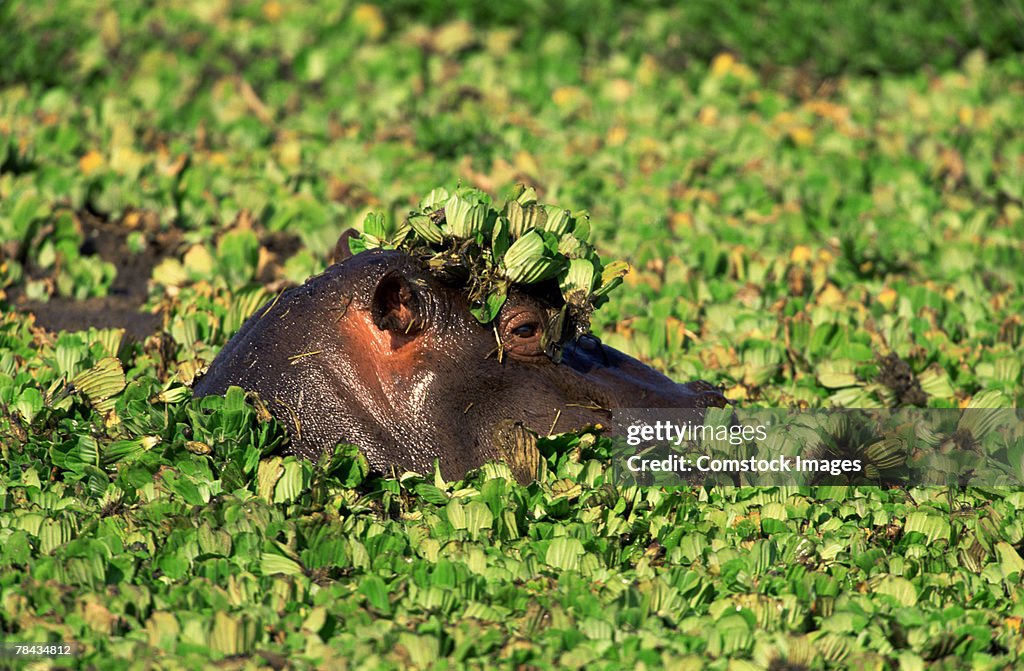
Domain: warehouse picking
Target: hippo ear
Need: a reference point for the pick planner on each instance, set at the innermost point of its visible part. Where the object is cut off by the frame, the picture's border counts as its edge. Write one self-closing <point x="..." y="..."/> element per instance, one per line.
<point x="342" y="250"/>
<point x="397" y="306"/>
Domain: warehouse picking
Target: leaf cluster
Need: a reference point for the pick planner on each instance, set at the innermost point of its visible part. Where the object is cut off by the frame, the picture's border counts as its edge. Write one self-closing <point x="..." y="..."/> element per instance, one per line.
<point x="460" y="236"/>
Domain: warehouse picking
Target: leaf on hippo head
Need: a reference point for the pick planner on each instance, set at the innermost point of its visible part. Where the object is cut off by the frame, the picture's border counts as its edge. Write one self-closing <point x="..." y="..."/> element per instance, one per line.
<point x="357" y="244"/>
<point x="558" y="221"/>
<point x="426" y="229"/>
<point x="465" y="213"/>
<point x="486" y="310"/>
<point x="523" y="218"/>
<point x="500" y="238"/>
<point x="524" y="194"/>
<point x="611" y="277"/>
<point x="530" y="260"/>
<point x="534" y="269"/>
<point x="462" y="236"/>
<point x="577" y="280"/>
<point x="582" y="229"/>
<point x="528" y="246"/>
<point x="573" y="247"/>
<point x="435" y="199"/>
<point x="374" y="225"/>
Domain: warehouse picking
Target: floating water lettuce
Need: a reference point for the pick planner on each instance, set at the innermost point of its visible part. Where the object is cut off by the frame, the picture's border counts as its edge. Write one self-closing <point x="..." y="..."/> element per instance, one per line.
<point x="524" y="243"/>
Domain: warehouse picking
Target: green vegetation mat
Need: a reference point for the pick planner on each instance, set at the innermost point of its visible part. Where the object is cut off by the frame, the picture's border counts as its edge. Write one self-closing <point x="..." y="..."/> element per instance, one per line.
<point x="819" y="211"/>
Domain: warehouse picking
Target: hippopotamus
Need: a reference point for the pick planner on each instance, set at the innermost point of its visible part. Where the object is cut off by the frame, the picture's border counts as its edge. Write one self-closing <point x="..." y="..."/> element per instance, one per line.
<point x="381" y="351"/>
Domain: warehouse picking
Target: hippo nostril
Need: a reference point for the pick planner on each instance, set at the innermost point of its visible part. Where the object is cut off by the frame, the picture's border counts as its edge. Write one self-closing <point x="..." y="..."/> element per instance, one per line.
<point x="593" y="344"/>
<point x="706" y="395"/>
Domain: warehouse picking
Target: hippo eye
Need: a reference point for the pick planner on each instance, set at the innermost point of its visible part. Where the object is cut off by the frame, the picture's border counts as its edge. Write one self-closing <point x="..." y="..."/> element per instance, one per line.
<point x="525" y="330"/>
<point x="521" y="330"/>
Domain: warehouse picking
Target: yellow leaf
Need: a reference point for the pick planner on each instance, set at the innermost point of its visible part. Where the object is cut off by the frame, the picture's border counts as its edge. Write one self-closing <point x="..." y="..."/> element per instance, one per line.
<point x="722" y="64"/>
<point x="708" y="116"/>
<point x="616" y="136"/>
<point x="567" y="96"/>
<point x="784" y="118"/>
<point x="887" y="297"/>
<point x="126" y="160"/>
<point x="743" y="72"/>
<point x="370" y="19"/>
<point x="91" y="162"/>
<point x="802" y="136"/>
<point x="453" y="37"/>
<point x="830" y="295"/>
<point x="619" y="90"/>
<point x="272" y="10"/>
<point x="289" y="153"/>
<point x="800" y="254"/>
<point x="500" y="41"/>
<point x="198" y="261"/>
<point x="170" y="273"/>
<point x="682" y="219"/>
<point x="837" y="114"/>
<point x="99" y="618"/>
<point x="111" y="419"/>
<point x="736" y="393"/>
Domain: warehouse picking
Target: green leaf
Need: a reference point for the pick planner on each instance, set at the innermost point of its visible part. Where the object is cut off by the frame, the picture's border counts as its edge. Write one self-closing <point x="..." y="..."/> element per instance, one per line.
<point x="374" y="225"/>
<point x="434" y="200"/>
<point x="238" y="255"/>
<point x="901" y="589"/>
<point x="29" y="404"/>
<point x="431" y="494"/>
<point x="101" y="382"/>
<point x="426" y="229"/>
<point x="291" y="483"/>
<point x="486" y="311"/>
<point x="558" y="221"/>
<point x="273" y="564"/>
<point x="563" y="553"/>
<point x="933" y="527"/>
<point x="376" y="593"/>
<point x="1010" y="562"/>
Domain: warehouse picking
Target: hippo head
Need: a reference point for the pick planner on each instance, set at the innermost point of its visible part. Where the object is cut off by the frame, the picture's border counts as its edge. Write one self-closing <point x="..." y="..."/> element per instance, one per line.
<point x="381" y="352"/>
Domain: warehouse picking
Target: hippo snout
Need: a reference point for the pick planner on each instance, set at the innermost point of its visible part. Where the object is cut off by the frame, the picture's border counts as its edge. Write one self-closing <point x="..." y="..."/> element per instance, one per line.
<point x="629" y="383"/>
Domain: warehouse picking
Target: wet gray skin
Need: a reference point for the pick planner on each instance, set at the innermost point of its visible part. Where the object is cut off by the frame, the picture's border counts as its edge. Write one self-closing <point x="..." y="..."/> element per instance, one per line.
<point x="380" y="353"/>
